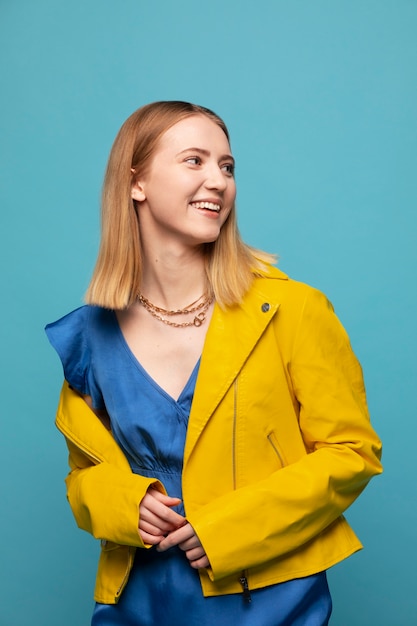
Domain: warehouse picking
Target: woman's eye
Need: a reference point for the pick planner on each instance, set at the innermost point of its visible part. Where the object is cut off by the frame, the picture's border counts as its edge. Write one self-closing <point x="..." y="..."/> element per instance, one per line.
<point x="229" y="168"/>
<point x="195" y="160"/>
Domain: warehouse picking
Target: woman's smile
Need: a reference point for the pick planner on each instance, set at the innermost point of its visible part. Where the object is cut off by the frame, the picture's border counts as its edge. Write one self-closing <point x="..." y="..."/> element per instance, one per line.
<point x="209" y="206"/>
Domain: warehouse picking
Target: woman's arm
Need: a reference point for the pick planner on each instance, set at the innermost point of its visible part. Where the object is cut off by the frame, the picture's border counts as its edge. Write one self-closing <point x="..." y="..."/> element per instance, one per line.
<point x="104" y="495"/>
<point x="273" y="517"/>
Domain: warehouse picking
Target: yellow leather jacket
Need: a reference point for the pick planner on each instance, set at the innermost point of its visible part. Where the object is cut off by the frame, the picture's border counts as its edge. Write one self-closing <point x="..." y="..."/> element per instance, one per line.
<point x="278" y="445"/>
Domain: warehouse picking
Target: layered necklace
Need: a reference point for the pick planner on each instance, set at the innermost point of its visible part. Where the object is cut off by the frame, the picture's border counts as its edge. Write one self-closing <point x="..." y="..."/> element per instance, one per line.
<point x="201" y="305"/>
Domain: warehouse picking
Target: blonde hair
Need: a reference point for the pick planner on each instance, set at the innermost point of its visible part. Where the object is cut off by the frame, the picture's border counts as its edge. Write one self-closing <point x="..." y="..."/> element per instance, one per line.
<point x="230" y="263"/>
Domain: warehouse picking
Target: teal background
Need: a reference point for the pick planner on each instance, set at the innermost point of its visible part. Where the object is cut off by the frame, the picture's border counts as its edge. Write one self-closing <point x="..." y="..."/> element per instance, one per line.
<point x="320" y="99"/>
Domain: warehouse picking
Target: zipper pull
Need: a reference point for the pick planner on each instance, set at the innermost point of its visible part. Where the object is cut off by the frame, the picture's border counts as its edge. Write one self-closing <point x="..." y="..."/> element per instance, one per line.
<point x="246" y="592"/>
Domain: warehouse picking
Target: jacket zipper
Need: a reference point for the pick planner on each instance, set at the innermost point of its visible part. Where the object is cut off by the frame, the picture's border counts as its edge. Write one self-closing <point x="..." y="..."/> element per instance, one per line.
<point x="243" y="579"/>
<point x="245" y="586"/>
<point x="126" y="576"/>
<point x="234" y="435"/>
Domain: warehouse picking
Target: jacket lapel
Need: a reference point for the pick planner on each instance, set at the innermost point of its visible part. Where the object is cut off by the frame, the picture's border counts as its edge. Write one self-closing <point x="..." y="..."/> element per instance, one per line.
<point x="231" y="337"/>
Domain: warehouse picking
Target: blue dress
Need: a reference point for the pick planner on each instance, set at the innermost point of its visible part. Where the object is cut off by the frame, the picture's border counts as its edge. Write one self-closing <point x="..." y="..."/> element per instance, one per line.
<point x="150" y="427"/>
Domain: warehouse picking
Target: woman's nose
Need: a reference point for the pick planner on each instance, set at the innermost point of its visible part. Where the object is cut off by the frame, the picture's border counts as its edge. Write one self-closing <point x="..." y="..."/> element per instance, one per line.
<point x="215" y="178"/>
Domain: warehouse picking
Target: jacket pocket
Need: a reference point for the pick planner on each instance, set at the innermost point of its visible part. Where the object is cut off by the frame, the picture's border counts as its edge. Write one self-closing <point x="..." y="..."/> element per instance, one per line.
<point x="277" y="449"/>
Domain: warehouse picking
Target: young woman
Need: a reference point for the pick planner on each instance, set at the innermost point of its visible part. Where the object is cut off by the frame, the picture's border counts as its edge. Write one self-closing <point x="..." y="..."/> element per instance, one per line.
<point x="214" y="411"/>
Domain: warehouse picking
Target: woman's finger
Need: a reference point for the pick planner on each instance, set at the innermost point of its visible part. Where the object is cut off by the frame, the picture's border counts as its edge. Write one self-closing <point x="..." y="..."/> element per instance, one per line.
<point x="195" y="553"/>
<point x="154" y="503"/>
<point x="200" y="563"/>
<point x="149" y="538"/>
<point x="147" y="517"/>
<point x="151" y="529"/>
<point x="176" y="537"/>
<point x="162" y="497"/>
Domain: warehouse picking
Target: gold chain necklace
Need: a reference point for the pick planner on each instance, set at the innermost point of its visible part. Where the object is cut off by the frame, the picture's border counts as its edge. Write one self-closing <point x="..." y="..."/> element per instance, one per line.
<point x="203" y="307"/>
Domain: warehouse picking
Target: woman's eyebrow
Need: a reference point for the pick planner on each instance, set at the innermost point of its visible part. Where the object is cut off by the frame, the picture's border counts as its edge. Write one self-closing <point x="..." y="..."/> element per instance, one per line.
<point x="205" y="153"/>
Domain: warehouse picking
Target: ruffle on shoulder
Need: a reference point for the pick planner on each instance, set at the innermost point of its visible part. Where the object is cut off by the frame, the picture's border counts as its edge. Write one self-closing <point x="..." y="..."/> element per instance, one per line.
<point x="69" y="336"/>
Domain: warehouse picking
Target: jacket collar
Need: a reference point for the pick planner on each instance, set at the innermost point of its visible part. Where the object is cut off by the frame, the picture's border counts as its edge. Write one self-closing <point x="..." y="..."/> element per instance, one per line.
<point x="231" y="337"/>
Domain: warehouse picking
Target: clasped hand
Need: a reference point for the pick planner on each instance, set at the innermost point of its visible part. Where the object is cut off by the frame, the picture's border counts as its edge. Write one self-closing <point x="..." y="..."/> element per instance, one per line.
<point x="161" y="526"/>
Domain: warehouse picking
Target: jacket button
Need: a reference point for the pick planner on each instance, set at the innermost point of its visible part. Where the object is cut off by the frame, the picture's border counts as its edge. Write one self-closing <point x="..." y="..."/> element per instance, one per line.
<point x="265" y="307"/>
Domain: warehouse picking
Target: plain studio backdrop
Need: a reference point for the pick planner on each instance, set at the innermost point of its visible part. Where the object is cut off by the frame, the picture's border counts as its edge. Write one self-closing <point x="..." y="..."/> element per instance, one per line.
<point x="320" y="99"/>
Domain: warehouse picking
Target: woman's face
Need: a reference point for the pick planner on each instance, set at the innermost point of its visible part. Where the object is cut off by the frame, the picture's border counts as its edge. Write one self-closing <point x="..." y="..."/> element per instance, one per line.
<point x="189" y="189"/>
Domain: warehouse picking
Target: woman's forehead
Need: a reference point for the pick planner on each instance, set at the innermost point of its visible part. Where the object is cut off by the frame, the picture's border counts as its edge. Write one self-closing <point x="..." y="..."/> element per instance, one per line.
<point x="193" y="131"/>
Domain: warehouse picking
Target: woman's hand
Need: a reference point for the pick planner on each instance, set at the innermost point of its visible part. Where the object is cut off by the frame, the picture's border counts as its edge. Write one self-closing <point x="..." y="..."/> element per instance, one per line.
<point x="156" y="517"/>
<point x="186" y="539"/>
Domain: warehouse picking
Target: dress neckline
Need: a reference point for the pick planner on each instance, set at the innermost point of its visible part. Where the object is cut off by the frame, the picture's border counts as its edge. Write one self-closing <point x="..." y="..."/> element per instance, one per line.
<point x="146" y="374"/>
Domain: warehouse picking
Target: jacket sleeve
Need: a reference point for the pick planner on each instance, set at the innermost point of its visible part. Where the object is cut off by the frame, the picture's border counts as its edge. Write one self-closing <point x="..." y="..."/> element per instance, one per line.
<point x="271" y="518"/>
<point x="102" y="491"/>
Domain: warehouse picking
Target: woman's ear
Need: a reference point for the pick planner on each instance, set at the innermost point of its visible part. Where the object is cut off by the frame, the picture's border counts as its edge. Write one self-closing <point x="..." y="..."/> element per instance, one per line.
<point x="138" y="191"/>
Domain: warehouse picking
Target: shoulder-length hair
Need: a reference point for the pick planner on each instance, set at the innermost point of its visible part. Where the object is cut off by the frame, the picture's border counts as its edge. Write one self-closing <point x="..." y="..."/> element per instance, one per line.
<point x="115" y="284"/>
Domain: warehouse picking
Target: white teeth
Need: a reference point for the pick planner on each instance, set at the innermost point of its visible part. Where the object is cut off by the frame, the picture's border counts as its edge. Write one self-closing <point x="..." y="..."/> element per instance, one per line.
<point x="207" y="205"/>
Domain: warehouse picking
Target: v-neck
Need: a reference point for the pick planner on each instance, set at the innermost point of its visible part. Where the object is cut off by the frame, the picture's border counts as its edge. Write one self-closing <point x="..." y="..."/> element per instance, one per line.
<point x="147" y="375"/>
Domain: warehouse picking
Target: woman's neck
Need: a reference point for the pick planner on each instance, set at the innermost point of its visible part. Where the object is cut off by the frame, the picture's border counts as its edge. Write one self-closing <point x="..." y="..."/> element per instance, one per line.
<point x="173" y="278"/>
